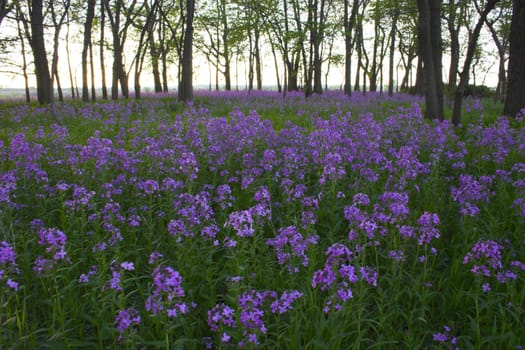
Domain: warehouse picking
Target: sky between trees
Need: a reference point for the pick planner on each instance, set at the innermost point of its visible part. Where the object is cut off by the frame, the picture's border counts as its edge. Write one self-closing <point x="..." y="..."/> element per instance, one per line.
<point x="308" y="45"/>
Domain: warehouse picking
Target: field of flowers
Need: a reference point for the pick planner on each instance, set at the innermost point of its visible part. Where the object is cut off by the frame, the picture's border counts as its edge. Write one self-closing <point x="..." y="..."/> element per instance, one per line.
<point x="257" y="221"/>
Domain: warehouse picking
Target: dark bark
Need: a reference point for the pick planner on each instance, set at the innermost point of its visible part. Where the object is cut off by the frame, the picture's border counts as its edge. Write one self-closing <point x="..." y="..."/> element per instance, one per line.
<point x="258" y="64"/>
<point x="279" y="87"/>
<point x="119" y="33"/>
<point x="501" y="45"/>
<point x="464" y="76"/>
<point x="154" y="54"/>
<point x="186" y="86"/>
<point x="43" y="76"/>
<point x="515" y="99"/>
<point x="101" y="50"/>
<point x="375" y="69"/>
<point x="453" y="28"/>
<point x="69" y="67"/>
<point x="429" y="33"/>
<point x="318" y="36"/>
<point x="24" y="58"/>
<point x="88" y="25"/>
<point x="92" y="69"/>
<point x="57" y="24"/>
<point x="392" y="52"/>
<point x="348" y="23"/>
<point x="251" y="68"/>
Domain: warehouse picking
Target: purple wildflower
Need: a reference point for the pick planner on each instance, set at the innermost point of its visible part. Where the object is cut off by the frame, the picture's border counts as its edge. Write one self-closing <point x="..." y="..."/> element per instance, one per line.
<point x="284" y="303"/>
<point x="289" y="244"/>
<point x="125" y="319"/>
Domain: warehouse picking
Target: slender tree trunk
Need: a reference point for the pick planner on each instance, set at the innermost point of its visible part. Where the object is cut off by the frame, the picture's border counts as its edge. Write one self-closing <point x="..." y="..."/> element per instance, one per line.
<point x="515" y="100"/>
<point x="164" y="57"/>
<point x="374" y="70"/>
<point x="258" y="64"/>
<point x="279" y="87"/>
<point x="92" y="70"/>
<point x="101" y="49"/>
<point x="24" y="59"/>
<point x="349" y="22"/>
<point x="153" y="50"/>
<point x="454" y="46"/>
<point x="502" y="49"/>
<point x="186" y="91"/>
<point x="88" y="25"/>
<point x="464" y="76"/>
<point x="56" y="41"/>
<point x="251" y="70"/>
<point x="359" y="48"/>
<point x="69" y="67"/>
<point x="392" y="52"/>
<point x="43" y="76"/>
<point x="155" y="64"/>
<point x="430" y="49"/>
<point x="59" y="88"/>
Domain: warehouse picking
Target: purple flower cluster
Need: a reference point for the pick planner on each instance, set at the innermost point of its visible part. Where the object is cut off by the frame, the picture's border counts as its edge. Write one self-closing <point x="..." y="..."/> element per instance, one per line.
<point x="85" y="277"/>
<point x="487" y="261"/>
<point x="8" y="265"/>
<point x="446" y="339"/>
<point x="195" y="214"/>
<point x="251" y="316"/>
<point x="338" y="274"/>
<point x="192" y="175"/>
<point x="81" y="197"/>
<point x="390" y="210"/>
<point x="124" y="319"/>
<point x="244" y="222"/>
<point x="289" y="245"/>
<point x="167" y="292"/>
<point x="470" y="192"/>
<point x="7" y="187"/>
<point x="54" y="240"/>
<point x="116" y="269"/>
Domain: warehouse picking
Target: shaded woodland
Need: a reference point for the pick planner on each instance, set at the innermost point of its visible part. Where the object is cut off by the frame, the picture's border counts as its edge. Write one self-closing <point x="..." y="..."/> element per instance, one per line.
<point x="376" y="45"/>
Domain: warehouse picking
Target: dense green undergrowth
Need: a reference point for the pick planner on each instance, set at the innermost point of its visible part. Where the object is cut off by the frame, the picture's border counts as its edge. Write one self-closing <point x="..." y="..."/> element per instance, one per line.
<point x="257" y="221"/>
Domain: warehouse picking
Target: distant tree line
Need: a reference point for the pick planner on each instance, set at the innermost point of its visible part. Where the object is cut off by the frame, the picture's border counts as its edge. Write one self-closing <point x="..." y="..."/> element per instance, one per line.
<point x="379" y="44"/>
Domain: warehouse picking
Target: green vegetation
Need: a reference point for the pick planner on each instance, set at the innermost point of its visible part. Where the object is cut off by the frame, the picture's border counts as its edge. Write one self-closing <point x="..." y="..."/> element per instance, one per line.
<point x="253" y="221"/>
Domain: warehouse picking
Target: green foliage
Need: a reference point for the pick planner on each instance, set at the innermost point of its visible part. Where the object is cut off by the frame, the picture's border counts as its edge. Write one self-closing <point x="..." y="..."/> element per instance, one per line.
<point x="99" y="161"/>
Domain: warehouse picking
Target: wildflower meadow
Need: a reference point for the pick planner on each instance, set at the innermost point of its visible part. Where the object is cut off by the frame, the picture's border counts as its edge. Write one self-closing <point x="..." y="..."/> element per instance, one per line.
<point x="261" y="221"/>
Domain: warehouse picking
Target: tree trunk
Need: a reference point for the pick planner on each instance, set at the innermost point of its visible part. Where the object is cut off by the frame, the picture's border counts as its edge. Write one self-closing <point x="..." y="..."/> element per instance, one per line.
<point x="186" y="90"/>
<point x="163" y="57"/>
<point x="92" y="69"/>
<point x="429" y="30"/>
<point x="515" y="100"/>
<point x="43" y="76"/>
<point x="155" y="64"/>
<point x="279" y="87"/>
<point x="88" y="25"/>
<point x="24" y="59"/>
<point x="258" y="64"/>
<point x="454" y="46"/>
<point x="392" y="52"/>
<point x="101" y="49"/>
<point x="56" y="41"/>
<point x="464" y="76"/>
<point x="69" y="67"/>
<point x="502" y="49"/>
<point x="374" y="70"/>
<point x="348" y="23"/>
<point x="251" y="69"/>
